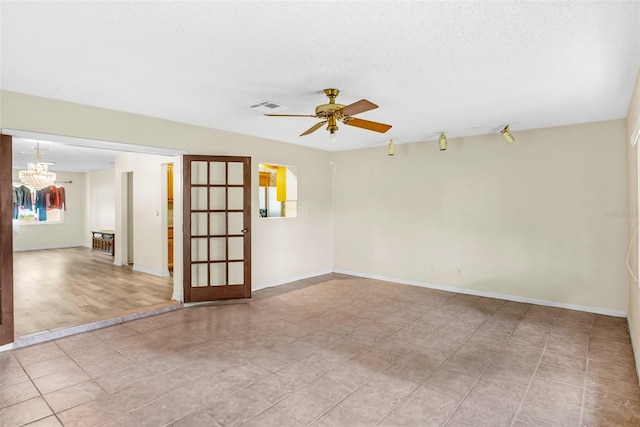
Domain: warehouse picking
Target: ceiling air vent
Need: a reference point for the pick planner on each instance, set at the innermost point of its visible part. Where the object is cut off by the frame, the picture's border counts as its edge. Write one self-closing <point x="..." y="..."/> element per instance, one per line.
<point x="267" y="107"/>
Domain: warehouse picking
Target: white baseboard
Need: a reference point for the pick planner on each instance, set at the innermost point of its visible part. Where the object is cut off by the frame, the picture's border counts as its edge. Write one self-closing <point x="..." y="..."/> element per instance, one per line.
<point x="143" y="269"/>
<point x="257" y="287"/>
<point x="38" y="248"/>
<point x="516" y="298"/>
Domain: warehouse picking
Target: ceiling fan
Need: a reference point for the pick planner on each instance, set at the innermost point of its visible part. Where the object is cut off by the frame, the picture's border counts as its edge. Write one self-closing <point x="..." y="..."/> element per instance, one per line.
<point x="333" y="113"/>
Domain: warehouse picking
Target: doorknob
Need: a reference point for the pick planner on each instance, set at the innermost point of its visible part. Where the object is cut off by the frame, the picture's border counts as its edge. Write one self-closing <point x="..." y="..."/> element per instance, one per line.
<point x="245" y="230"/>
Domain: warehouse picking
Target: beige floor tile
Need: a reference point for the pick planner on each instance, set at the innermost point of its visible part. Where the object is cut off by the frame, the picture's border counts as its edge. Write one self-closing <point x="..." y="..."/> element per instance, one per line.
<point x="37" y="353"/>
<point x="610" y="404"/>
<point x="197" y="419"/>
<point x="272" y="417"/>
<point x="341" y="415"/>
<point x="50" y="366"/>
<point x="274" y="388"/>
<point x="304" y="406"/>
<point x="237" y="408"/>
<point x="166" y="409"/>
<point x="555" y="390"/>
<point x="347" y="351"/>
<point x="12" y="377"/>
<point x="74" y="395"/>
<point x="51" y="421"/>
<point x="549" y="410"/>
<point x="80" y="343"/>
<point x="95" y="412"/>
<point x="526" y="421"/>
<point x="423" y="407"/>
<point x="98" y="363"/>
<point x="113" y="382"/>
<point x="564" y="375"/>
<point x="564" y="360"/>
<point x="329" y="388"/>
<point x="25" y="412"/>
<point x="379" y="396"/>
<point x="481" y="414"/>
<point x="17" y="393"/>
<point x="114" y="333"/>
<point x="126" y="421"/>
<point x="61" y="379"/>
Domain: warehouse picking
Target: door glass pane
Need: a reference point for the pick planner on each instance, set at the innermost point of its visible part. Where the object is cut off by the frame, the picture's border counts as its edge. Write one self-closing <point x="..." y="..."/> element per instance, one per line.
<point x="198" y="198"/>
<point x="236" y="170"/>
<point x="218" y="249"/>
<point x="217" y="173"/>
<point x="217" y="200"/>
<point x="236" y="222"/>
<point x="198" y="172"/>
<point x="235" y="197"/>
<point x="199" y="224"/>
<point x="218" y="226"/>
<point x="218" y="274"/>
<point x="236" y="273"/>
<point x="198" y="275"/>
<point x="236" y="247"/>
<point x="199" y="249"/>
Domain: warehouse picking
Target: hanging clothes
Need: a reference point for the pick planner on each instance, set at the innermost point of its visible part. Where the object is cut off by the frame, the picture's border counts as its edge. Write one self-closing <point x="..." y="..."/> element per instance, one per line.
<point x="41" y="204"/>
<point x="55" y="198"/>
<point x="27" y="198"/>
<point x="61" y="199"/>
<point x="14" y="202"/>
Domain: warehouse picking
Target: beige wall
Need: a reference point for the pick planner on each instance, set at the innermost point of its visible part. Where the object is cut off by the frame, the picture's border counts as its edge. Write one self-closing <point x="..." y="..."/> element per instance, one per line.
<point x="633" y="117"/>
<point x="527" y="219"/>
<point x="70" y="232"/>
<point x="282" y="249"/>
<point x="100" y="210"/>
<point x="149" y="211"/>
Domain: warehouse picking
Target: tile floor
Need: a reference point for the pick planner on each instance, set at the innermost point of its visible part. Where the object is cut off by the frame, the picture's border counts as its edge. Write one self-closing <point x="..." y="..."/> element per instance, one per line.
<point x="333" y="351"/>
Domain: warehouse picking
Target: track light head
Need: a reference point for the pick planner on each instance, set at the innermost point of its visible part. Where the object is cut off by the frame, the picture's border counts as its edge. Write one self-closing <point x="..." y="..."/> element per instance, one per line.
<point x="506" y="135"/>
<point x="443" y="142"/>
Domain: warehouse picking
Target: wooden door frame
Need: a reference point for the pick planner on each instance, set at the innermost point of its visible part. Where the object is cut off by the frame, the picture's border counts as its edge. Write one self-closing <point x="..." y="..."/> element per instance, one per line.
<point x="6" y="241"/>
<point x="229" y="293"/>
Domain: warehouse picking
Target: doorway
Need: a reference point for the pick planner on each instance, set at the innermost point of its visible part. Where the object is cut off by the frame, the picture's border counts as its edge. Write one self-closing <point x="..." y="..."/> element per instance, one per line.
<point x="104" y="267"/>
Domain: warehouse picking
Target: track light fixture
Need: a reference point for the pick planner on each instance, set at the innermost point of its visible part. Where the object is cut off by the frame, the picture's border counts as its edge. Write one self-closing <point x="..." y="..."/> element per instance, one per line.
<point x="506" y="135"/>
<point x="443" y="141"/>
<point x="391" y="147"/>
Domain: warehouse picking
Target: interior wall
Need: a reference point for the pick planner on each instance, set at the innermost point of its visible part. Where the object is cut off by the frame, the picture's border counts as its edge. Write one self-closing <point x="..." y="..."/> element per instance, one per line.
<point x="67" y="234"/>
<point x="633" y="117"/>
<point x="536" y="219"/>
<point x="100" y="207"/>
<point x="282" y="249"/>
<point x="149" y="211"/>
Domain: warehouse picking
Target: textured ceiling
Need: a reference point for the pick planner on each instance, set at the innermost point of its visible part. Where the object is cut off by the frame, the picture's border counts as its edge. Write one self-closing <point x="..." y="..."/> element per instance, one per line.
<point x="465" y="68"/>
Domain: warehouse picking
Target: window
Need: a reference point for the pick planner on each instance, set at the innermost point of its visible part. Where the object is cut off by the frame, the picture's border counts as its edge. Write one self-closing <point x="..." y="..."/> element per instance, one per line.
<point x="278" y="191"/>
<point x="44" y="206"/>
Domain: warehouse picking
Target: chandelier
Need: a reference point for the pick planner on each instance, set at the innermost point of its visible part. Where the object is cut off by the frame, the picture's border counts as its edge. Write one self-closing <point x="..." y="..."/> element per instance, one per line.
<point x="37" y="176"/>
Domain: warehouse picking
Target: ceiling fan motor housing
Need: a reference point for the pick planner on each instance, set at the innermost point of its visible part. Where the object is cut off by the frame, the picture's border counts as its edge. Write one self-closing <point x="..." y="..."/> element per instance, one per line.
<point x="326" y="110"/>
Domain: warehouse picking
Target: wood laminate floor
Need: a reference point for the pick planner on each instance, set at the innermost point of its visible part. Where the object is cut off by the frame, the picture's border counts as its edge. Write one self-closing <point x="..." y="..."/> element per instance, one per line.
<point x="58" y="288"/>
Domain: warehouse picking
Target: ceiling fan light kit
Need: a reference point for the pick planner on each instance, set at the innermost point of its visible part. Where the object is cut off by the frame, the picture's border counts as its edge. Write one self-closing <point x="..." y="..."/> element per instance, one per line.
<point x="333" y="113"/>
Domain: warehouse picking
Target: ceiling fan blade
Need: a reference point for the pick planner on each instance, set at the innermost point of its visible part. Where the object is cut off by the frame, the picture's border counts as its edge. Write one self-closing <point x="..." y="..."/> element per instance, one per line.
<point x="357" y="107"/>
<point x="366" y="124"/>
<point x="290" y="115"/>
<point x="313" y="128"/>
